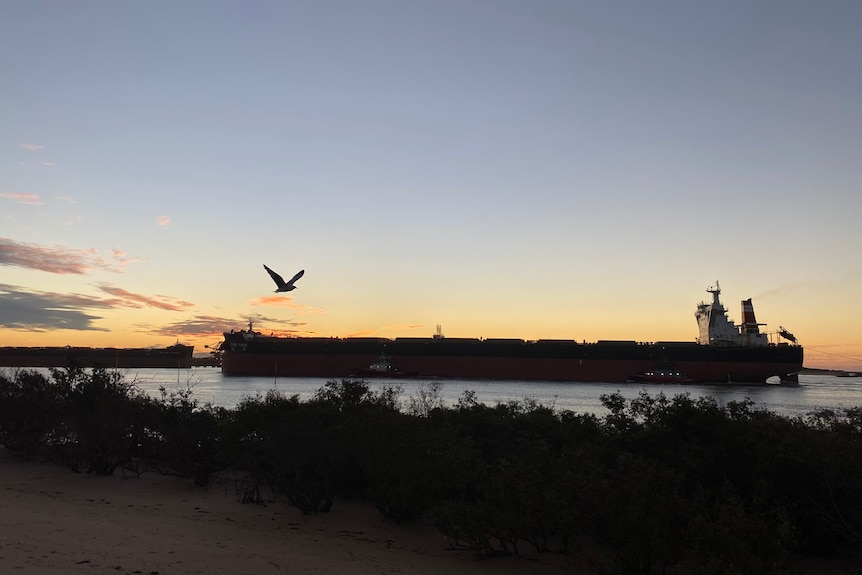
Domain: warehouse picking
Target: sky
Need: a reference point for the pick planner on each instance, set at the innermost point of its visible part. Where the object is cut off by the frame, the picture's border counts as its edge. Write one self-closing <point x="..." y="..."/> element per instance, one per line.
<point x="559" y="169"/>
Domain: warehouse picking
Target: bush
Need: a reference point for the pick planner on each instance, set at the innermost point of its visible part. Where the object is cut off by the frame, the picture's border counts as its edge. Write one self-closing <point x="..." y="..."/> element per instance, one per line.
<point x="104" y="423"/>
<point x="670" y="485"/>
<point x="186" y="439"/>
<point x="31" y="408"/>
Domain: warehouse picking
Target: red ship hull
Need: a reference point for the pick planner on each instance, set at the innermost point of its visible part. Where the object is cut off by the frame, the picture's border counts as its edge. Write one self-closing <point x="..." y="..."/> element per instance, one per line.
<point x="503" y="368"/>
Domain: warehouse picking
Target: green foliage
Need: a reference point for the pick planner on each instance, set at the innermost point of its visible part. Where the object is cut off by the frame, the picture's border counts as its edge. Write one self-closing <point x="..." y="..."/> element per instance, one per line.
<point x="30" y="409"/>
<point x="104" y="422"/>
<point x="659" y="485"/>
<point x="310" y="451"/>
<point x="186" y="439"/>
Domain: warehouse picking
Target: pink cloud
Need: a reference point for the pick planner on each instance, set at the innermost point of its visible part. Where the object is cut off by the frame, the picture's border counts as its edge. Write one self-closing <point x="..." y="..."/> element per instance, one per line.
<point x="120" y="257"/>
<point x="134" y="300"/>
<point x="29" y="199"/>
<point x="56" y="259"/>
<point x="163" y="221"/>
<point x="32" y="147"/>
<point x="284" y="302"/>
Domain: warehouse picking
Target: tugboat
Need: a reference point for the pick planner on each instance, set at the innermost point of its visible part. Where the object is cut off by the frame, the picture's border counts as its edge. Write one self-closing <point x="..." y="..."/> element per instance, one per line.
<point x="382" y="368"/>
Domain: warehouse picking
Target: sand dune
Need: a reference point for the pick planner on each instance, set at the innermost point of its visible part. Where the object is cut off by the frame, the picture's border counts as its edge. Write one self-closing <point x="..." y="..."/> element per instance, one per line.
<point x="56" y="521"/>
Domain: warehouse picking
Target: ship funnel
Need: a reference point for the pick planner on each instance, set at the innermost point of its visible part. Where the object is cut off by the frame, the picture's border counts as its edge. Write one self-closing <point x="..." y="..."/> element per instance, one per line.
<point x="749" y="322"/>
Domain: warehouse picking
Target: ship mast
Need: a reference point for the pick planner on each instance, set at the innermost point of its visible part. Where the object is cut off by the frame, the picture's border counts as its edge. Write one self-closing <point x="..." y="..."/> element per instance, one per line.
<point x="715" y="291"/>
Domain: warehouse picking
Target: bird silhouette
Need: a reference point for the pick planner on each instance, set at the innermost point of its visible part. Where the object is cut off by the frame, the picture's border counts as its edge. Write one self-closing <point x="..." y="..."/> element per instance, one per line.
<point x="279" y="281"/>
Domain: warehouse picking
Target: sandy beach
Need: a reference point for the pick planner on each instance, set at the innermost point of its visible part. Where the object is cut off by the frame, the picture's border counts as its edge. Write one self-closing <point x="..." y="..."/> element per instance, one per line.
<point x="57" y="521"/>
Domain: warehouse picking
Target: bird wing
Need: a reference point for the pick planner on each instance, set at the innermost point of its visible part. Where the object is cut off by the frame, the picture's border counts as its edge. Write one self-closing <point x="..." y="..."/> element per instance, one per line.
<point x="279" y="281"/>
<point x="296" y="277"/>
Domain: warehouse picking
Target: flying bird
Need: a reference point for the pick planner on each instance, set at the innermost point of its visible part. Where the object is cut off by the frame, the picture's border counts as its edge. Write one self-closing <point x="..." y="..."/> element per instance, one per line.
<point x="279" y="281"/>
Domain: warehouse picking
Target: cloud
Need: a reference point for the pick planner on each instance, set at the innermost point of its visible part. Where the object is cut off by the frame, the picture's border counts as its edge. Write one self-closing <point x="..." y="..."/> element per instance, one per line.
<point x="29" y="199"/>
<point x="163" y="221"/>
<point x="56" y="259"/>
<point x="42" y="311"/>
<point x="49" y="164"/>
<point x="363" y="333"/>
<point x="122" y="260"/>
<point x="406" y="327"/>
<point x="199" y="327"/>
<point x="32" y="147"/>
<point x="212" y="327"/>
<point x="281" y="328"/>
<point x="284" y="302"/>
<point x="386" y="328"/>
<point x="129" y="299"/>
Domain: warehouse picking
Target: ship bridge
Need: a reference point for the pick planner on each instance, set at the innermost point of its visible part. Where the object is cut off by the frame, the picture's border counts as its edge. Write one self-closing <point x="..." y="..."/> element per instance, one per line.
<point x="715" y="328"/>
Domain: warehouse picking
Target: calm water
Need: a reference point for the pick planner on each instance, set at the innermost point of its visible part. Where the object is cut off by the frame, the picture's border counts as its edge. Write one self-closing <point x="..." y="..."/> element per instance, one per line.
<point x="814" y="391"/>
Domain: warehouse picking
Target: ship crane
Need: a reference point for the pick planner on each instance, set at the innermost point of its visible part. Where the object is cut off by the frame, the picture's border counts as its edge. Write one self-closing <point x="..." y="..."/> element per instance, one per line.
<point x="215" y="353"/>
<point x="786" y="334"/>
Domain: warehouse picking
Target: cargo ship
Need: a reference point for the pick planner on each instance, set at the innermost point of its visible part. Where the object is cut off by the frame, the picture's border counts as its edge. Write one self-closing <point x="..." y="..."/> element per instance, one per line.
<point x="173" y="356"/>
<point x="723" y="352"/>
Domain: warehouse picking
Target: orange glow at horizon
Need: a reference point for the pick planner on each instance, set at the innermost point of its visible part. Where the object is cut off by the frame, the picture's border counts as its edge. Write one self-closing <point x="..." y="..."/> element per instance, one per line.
<point x="822" y="355"/>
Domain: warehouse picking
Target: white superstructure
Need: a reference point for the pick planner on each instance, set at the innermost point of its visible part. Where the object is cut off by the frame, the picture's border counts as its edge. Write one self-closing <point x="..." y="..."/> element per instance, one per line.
<point x="716" y="329"/>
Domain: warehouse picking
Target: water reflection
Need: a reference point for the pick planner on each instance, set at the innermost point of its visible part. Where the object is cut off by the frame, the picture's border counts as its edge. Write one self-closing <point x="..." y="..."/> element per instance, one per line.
<point x="813" y="392"/>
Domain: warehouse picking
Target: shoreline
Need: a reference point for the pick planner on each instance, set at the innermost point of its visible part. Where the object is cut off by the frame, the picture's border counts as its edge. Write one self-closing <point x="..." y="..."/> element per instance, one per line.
<point x="57" y="521"/>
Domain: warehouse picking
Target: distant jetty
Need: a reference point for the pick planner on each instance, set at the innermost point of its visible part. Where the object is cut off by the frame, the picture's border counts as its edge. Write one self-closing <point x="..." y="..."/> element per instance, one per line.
<point x="834" y="372"/>
<point x="173" y="356"/>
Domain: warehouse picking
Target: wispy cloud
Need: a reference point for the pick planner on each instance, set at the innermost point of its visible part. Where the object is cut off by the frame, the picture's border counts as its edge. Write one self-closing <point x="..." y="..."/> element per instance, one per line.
<point x="404" y="327"/>
<point x="49" y="164"/>
<point x="32" y="147"/>
<point x="122" y="260"/>
<point x="377" y="332"/>
<point x="284" y="302"/>
<point x="52" y="259"/>
<point x="198" y="327"/>
<point x="44" y="311"/>
<point x="29" y="199"/>
<point x="163" y="221"/>
<point x="21" y="308"/>
<point x="363" y="333"/>
<point x="130" y="299"/>
<point x="207" y="327"/>
<point x="56" y="259"/>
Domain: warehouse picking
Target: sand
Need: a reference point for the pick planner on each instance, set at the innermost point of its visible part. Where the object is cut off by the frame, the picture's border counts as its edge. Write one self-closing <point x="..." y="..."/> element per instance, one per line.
<point x="55" y="521"/>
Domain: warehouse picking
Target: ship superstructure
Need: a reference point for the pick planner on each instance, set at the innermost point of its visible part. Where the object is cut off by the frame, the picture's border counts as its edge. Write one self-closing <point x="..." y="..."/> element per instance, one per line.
<point x="716" y="329"/>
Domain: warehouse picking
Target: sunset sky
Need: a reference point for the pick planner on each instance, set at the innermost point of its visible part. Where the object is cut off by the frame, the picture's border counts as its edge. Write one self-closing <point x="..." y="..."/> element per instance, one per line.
<point x="531" y="169"/>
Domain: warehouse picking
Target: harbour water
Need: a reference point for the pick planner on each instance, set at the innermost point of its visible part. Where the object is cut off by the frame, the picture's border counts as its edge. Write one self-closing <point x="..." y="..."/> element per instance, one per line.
<point x="813" y="392"/>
